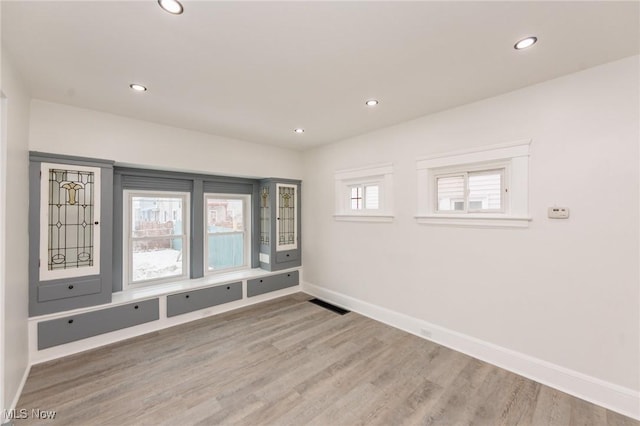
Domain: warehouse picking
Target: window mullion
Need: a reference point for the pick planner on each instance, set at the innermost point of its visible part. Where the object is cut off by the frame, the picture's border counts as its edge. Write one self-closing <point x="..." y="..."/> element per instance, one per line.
<point x="467" y="190"/>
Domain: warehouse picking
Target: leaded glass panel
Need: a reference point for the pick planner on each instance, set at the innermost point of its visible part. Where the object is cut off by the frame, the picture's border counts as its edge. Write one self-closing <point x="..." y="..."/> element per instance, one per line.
<point x="287" y="238"/>
<point x="71" y="219"/>
<point x="265" y="216"/>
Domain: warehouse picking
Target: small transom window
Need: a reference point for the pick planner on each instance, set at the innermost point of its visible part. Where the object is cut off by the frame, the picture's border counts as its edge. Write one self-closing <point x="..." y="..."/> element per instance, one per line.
<point x="365" y="193"/>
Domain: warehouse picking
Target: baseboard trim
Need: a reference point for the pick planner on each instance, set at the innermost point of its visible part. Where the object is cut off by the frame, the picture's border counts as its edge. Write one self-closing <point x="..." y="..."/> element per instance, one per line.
<point x="16" y="397"/>
<point x="608" y="395"/>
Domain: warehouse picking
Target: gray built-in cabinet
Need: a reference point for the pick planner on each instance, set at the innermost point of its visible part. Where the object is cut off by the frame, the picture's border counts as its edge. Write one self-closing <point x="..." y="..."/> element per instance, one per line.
<point x="70" y="232"/>
<point x="279" y="224"/>
<point x="76" y="226"/>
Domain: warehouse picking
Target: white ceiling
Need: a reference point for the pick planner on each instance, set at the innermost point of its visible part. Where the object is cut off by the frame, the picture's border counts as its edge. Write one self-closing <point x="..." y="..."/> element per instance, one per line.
<point x="257" y="70"/>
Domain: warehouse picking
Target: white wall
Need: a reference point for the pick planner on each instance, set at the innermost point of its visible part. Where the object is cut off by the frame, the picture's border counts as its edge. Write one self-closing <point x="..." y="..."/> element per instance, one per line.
<point x="562" y="291"/>
<point x="62" y="129"/>
<point x="15" y="234"/>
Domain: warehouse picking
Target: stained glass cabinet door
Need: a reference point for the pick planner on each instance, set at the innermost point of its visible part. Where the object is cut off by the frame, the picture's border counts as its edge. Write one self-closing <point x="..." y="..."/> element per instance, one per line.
<point x="287" y="220"/>
<point x="280" y="224"/>
<point x="69" y="221"/>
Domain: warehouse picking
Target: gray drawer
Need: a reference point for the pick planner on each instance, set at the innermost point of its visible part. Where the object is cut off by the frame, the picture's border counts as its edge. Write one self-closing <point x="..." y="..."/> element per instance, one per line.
<point x="76" y="327"/>
<point x="190" y="301"/>
<point x="287" y="256"/>
<point x="272" y="283"/>
<point x="68" y="289"/>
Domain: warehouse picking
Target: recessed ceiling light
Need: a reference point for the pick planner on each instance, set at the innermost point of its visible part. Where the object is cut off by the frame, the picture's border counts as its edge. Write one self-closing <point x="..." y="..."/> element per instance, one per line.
<point x="525" y="42"/>
<point x="171" y="6"/>
<point x="372" y="102"/>
<point x="138" y="87"/>
<point x="299" y="130"/>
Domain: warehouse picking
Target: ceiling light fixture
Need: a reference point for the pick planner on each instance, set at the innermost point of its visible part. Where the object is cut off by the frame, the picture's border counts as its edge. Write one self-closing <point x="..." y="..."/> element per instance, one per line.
<point x="171" y="6"/>
<point x="525" y="42"/>
<point x="137" y="87"/>
<point x="299" y="130"/>
<point x="372" y="102"/>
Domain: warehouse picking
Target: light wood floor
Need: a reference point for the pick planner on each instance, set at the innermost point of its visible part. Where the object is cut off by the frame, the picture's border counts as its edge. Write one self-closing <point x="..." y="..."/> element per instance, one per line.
<point x="290" y="362"/>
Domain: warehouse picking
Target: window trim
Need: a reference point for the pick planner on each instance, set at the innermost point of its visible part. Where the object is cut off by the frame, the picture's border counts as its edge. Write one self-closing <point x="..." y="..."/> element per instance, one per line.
<point x="513" y="157"/>
<point x="247" y="217"/>
<point x="127" y="254"/>
<point x="380" y="175"/>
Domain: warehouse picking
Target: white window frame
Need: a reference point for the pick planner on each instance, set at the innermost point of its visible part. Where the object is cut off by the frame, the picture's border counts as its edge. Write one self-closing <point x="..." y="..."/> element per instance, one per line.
<point x="512" y="158"/>
<point x="45" y="273"/>
<point x="127" y="255"/>
<point x="380" y="175"/>
<point x="246" y="214"/>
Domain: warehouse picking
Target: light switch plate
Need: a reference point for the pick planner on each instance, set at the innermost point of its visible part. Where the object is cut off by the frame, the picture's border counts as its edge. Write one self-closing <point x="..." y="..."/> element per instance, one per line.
<point x="558" y="212"/>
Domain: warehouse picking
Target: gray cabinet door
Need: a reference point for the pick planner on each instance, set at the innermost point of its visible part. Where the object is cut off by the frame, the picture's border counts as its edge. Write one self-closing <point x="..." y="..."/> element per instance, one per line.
<point x="68" y="289"/>
<point x="190" y="301"/>
<point x="287" y="256"/>
<point x="272" y="283"/>
<point x="75" y="327"/>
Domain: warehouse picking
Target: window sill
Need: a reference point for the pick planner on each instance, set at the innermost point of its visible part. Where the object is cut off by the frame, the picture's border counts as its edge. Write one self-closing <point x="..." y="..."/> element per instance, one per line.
<point x="363" y="218"/>
<point x="474" y="220"/>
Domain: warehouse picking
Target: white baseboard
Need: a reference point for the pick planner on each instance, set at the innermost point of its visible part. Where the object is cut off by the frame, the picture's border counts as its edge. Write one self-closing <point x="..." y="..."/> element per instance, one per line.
<point x="16" y="397"/>
<point x="609" y="395"/>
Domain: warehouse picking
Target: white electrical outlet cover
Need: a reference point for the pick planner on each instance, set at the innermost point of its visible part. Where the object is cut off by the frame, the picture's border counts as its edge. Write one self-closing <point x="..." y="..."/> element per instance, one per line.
<point x="558" y="212"/>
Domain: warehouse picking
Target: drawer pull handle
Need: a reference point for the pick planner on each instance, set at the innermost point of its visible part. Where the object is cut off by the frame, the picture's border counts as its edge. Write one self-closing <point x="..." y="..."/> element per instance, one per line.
<point x="70" y="286"/>
<point x="228" y="288"/>
<point x="96" y="223"/>
<point x="135" y="307"/>
<point x="70" y="321"/>
<point x="288" y="275"/>
<point x="187" y="296"/>
<point x="287" y="255"/>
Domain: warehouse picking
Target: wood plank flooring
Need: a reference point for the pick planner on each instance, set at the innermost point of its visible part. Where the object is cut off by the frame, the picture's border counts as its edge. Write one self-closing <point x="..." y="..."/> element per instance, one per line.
<point x="290" y="362"/>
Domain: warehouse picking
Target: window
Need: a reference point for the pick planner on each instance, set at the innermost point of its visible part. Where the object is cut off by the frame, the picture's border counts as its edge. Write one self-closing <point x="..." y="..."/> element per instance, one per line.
<point x="228" y="231"/>
<point x="477" y="187"/>
<point x="156" y="236"/>
<point x="365" y="196"/>
<point x="364" y="193"/>
<point x="471" y="192"/>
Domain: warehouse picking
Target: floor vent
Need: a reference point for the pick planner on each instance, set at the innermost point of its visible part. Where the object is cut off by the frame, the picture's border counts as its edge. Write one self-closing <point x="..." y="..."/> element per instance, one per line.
<point x="329" y="306"/>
